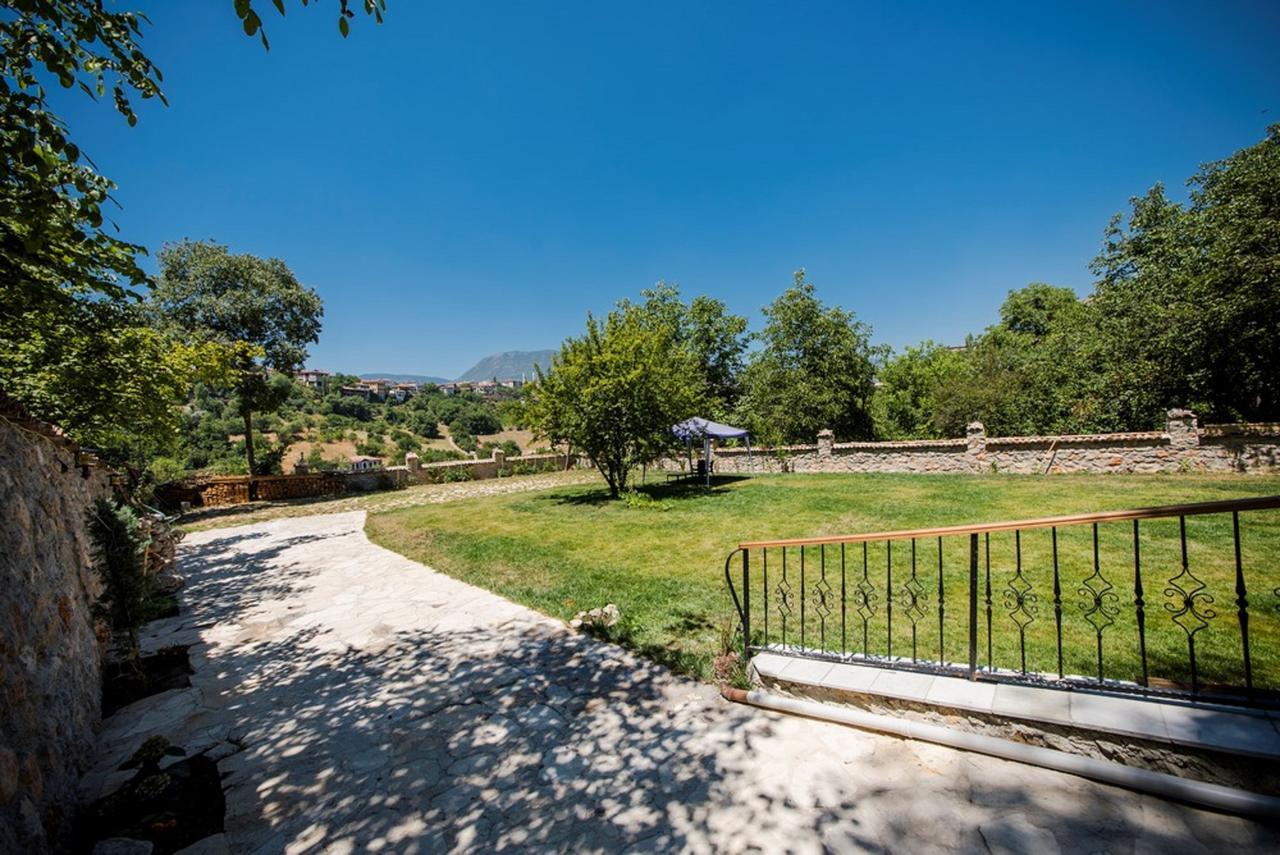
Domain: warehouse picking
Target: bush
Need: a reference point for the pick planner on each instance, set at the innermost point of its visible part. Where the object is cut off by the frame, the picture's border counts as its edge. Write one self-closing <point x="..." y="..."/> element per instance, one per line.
<point x="475" y="421"/>
<point x="465" y="441"/>
<point x="119" y="557"/>
<point x="372" y="447"/>
<point x="439" y="455"/>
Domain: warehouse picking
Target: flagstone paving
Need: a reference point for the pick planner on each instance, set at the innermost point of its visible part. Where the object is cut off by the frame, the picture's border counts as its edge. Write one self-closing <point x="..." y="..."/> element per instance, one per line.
<point x="358" y="701"/>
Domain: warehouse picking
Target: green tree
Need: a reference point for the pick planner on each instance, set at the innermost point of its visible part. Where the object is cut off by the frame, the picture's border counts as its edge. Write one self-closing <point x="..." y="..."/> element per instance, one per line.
<point x="1188" y="296"/>
<point x="212" y="295"/>
<point x="714" y="337"/>
<point x="814" y="370"/>
<point x="1031" y="373"/>
<point x="905" y="404"/>
<point x="75" y="349"/>
<point x="615" y="392"/>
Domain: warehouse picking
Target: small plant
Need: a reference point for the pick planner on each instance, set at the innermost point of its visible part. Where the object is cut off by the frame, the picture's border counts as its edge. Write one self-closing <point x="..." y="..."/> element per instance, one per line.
<point x="636" y="500"/>
<point x="728" y="665"/>
<point x="455" y="474"/>
<point x="119" y="551"/>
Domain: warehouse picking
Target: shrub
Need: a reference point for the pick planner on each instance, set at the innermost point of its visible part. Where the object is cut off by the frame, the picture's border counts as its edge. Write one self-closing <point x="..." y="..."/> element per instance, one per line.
<point x="457" y="473"/>
<point x="475" y="421"/>
<point x="465" y="441"/>
<point x="119" y="555"/>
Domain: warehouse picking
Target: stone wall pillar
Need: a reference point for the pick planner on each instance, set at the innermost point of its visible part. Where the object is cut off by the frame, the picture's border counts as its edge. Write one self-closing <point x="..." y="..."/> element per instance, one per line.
<point x="499" y="457"/>
<point x="413" y="468"/>
<point x="1183" y="429"/>
<point x="826" y="440"/>
<point x="975" y="434"/>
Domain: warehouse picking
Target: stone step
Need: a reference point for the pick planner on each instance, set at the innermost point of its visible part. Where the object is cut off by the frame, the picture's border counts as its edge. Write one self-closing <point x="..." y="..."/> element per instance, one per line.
<point x="1237" y="746"/>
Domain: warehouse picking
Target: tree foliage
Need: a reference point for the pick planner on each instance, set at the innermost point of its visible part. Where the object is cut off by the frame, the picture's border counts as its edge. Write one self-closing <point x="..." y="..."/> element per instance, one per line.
<point x="251" y="22"/>
<point x="1188" y="296"/>
<point x="1183" y="314"/>
<point x="77" y="350"/>
<point x="615" y="391"/>
<point x="713" y="337"/>
<point x="814" y="370"/>
<point x="212" y="295"/>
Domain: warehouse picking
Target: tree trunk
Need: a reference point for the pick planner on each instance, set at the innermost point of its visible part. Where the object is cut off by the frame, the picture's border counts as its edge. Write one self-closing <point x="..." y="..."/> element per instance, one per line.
<point x="607" y="473"/>
<point x="248" y="450"/>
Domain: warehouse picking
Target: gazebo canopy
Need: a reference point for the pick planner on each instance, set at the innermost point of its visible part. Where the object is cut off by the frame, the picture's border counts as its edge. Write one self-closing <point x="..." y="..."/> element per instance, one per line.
<point x="700" y="427"/>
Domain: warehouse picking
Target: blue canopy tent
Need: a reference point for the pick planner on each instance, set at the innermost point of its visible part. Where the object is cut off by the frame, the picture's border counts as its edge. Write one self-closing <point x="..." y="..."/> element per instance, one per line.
<point x="691" y="429"/>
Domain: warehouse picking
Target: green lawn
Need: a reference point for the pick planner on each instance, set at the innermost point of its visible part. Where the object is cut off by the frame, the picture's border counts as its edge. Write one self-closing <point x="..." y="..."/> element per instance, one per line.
<point x="661" y="560"/>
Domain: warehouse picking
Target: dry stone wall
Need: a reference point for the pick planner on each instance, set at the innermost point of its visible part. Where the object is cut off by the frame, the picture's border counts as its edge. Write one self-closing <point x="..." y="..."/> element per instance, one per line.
<point x="1183" y="446"/>
<point x="50" y="678"/>
<point x="234" y="489"/>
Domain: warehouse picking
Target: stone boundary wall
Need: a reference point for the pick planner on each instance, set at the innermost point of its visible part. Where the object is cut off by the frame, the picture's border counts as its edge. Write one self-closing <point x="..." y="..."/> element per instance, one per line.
<point x="234" y="489"/>
<point x="50" y="652"/>
<point x="1183" y="446"/>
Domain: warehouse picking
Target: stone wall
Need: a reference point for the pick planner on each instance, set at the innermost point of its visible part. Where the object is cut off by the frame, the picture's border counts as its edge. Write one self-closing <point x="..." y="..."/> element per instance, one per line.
<point x="50" y="677"/>
<point x="234" y="489"/>
<point x="1181" y="447"/>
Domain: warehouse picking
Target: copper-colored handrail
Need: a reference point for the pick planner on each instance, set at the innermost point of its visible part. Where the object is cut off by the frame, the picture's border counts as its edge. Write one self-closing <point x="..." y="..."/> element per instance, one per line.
<point x="1255" y="504"/>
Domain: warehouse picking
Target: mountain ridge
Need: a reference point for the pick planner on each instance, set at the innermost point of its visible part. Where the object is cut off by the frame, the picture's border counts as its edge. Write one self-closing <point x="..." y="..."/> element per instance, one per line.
<point x="402" y="378"/>
<point x="508" y="365"/>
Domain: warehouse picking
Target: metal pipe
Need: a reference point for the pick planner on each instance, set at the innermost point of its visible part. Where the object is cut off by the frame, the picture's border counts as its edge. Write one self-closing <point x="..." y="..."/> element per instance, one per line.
<point x="1213" y="796"/>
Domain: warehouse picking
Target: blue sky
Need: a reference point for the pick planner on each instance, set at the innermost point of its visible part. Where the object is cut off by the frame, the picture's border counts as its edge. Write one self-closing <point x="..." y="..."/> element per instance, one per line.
<point x="470" y="177"/>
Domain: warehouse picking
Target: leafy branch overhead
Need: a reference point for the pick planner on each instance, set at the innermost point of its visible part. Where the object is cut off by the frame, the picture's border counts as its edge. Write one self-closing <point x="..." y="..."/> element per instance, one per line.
<point x="252" y="22"/>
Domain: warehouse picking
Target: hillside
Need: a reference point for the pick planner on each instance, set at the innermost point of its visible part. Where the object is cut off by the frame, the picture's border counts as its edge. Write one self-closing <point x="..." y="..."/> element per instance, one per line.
<point x="511" y="364"/>
<point x="403" y="378"/>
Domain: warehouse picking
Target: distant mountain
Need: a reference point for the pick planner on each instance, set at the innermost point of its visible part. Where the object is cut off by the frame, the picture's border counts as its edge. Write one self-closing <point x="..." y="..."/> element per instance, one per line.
<point x="511" y="365"/>
<point x="404" y="378"/>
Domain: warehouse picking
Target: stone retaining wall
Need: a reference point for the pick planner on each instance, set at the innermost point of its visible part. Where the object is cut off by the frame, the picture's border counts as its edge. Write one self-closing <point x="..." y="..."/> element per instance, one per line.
<point x="234" y="490"/>
<point x="1183" y="446"/>
<point x="50" y="654"/>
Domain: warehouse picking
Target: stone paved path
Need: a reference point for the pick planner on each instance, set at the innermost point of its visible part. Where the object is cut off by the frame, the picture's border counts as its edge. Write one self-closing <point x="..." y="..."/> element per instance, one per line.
<point x="362" y="702"/>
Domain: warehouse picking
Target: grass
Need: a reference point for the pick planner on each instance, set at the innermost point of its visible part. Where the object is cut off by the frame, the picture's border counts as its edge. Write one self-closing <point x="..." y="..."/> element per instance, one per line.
<point x="660" y="556"/>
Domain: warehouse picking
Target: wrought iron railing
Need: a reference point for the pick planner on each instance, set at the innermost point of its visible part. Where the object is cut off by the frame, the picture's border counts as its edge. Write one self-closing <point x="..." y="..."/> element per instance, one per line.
<point x="1153" y="600"/>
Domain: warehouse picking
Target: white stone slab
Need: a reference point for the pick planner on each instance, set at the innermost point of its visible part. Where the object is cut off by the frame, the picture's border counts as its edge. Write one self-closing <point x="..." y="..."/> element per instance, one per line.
<point x="1130" y="716"/>
<point x="1235" y="732"/>
<point x="808" y="671"/>
<point x="905" y="685"/>
<point x="960" y="693"/>
<point x="770" y="664"/>
<point x="1029" y="702"/>
<point x="850" y="678"/>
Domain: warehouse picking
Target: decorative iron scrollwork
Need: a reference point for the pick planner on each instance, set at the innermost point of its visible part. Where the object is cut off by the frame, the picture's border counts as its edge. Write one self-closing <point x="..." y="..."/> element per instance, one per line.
<point x="1101" y="604"/>
<point x="1021" y="601"/>
<point x="1191" y="602"/>
<point x="823" y="597"/>
<point x="913" y="599"/>
<point x="866" y="599"/>
<point x="786" y="598"/>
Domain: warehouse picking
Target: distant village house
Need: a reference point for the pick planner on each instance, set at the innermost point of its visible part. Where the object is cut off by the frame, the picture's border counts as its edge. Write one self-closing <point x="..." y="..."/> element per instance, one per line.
<point x="313" y="378"/>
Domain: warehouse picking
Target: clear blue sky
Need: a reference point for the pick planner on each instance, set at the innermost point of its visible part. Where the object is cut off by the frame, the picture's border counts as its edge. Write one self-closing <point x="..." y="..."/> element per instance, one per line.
<point x="472" y="177"/>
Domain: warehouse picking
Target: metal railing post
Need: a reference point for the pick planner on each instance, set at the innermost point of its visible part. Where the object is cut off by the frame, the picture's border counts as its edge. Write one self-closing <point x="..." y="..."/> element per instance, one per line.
<point x="973" y="606"/>
<point x="746" y="604"/>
